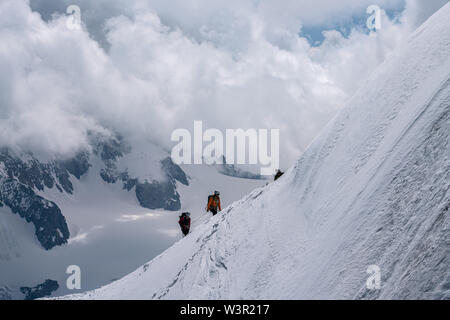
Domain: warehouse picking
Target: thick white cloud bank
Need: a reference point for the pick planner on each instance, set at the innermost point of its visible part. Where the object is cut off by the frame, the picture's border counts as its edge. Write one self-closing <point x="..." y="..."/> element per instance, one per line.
<point x="239" y="65"/>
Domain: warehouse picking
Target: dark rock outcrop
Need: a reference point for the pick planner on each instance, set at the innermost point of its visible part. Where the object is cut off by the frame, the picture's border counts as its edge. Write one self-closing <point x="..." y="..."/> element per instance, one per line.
<point x="50" y="225"/>
<point x="31" y="172"/>
<point x="174" y="171"/>
<point x="22" y="175"/>
<point x="156" y="195"/>
<point x="42" y="290"/>
<point x="78" y="165"/>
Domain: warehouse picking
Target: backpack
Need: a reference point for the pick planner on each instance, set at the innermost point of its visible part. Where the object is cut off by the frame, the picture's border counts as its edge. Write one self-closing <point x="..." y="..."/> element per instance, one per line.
<point x="209" y="198"/>
<point x="184" y="220"/>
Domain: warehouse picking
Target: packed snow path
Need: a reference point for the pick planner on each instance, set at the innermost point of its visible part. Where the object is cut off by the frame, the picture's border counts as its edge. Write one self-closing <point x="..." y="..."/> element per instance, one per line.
<point x="372" y="189"/>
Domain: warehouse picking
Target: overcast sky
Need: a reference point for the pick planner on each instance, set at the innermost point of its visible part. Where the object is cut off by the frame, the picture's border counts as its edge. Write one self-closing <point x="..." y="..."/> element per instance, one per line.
<point x="145" y="68"/>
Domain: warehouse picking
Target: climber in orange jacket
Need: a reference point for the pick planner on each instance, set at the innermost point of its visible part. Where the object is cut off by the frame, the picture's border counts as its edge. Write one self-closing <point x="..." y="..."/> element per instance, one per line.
<point x="214" y="203"/>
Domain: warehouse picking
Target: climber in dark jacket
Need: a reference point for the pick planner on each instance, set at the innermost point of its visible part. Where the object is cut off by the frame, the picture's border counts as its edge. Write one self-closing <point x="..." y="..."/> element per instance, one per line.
<point x="185" y="222"/>
<point x="278" y="175"/>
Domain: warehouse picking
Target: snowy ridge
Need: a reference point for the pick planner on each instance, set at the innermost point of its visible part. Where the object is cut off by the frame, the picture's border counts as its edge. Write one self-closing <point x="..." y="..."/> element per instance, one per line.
<point x="105" y="222"/>
<point x="372" y="189"/>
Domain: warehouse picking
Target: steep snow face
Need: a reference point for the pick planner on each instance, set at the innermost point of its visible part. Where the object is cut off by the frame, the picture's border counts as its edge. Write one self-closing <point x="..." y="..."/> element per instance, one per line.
<point x="372" y="189"/>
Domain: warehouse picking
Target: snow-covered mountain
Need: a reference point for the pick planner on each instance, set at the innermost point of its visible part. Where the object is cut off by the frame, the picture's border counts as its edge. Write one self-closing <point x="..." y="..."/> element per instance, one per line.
<point x="372" y="189"/>
<point x="24" y="181"/>
<point x="91" y="208"/>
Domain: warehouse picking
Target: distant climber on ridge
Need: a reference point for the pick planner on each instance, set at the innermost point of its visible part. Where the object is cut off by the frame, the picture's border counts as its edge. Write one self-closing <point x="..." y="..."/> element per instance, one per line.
<point x="214" y="203"/>
<point x="278" y="175"/>
<point x="185" y="222"/>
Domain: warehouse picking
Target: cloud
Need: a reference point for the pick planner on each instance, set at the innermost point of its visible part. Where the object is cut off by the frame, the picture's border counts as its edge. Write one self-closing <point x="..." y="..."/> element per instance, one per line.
<point x="239" y="65"/>
<point x="419" y="11"/>
<point x="226" y="24"/>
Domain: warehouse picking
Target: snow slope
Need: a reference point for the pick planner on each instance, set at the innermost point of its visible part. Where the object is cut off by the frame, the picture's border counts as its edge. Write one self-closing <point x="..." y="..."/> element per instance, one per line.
<point x="372" y="189"/>
<point x="105" y="222"/>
